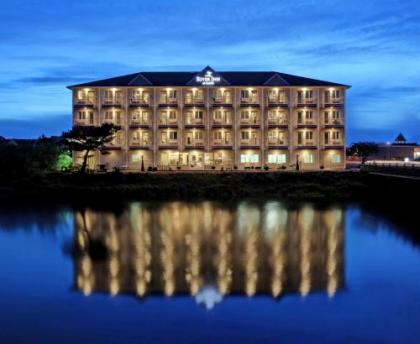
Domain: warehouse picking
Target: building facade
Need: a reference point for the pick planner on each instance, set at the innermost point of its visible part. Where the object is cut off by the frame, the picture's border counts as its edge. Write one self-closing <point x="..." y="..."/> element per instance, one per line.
<point x="213" y="120"/>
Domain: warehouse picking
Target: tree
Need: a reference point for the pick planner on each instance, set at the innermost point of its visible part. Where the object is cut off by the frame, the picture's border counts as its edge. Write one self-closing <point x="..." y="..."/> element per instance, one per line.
<point x="363" y="150"/>
<point x="88" y="139"/>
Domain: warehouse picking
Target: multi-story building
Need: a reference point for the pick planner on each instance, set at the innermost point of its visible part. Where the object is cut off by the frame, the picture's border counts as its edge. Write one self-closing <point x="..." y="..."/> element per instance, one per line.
<point x="209" y="119"/>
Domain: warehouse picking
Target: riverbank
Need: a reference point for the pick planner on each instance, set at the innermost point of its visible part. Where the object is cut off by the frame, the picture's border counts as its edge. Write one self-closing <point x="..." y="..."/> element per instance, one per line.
<point x="294" y="186"/>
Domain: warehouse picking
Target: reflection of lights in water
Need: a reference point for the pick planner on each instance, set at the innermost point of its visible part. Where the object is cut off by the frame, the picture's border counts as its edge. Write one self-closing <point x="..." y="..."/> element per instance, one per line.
<point x="208" y="296"/>
<point x="114" y="286"/>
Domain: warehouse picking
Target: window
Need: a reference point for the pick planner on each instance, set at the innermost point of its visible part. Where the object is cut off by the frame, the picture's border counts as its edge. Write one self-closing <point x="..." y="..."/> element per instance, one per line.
<point x="336" y="135"/>
<point x="198" y="135"/>
<point x="249" y="158"/>
<point x="173" y="135"/>
<point x="336" y="158"/>
<point x="309" y="94"/>
<point x="244" y="94"/>
<point x="308" y="158"/>
<point x="336" y="114"/>
<point x="135" y="157"/>
<point x="335" y="93"/>
<point x="245" y="115"/>
<point x="172" y="94"/>
<point x="309" y="115"/>
<point x="109" y="115"/>
<point x="309" y="135"/>
<point x="172" y="115"/>
<point x="245" y="135"/>
<point x="109" y="94"/>
<point x="276" y="158"/>
<point x="198" y="114"/>
<point x="218" y="115"/>
<point x="218" y="135"/>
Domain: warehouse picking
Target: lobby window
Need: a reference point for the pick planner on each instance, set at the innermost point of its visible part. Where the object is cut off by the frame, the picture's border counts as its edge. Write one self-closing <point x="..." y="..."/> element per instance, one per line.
<point x="336" y="158"/>
<point x="276" y="158"/>
<point x="308" y="158"/>
<point x="135" y="157"/>
<point x="249" y="158"/>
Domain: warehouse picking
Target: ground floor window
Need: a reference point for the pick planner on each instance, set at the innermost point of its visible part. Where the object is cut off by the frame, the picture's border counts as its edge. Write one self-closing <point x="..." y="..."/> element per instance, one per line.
<point x="276" y="158"/>
<point x="336" y="158"/>
<point x="249" y="158"/>
<point x="308" y="158"/>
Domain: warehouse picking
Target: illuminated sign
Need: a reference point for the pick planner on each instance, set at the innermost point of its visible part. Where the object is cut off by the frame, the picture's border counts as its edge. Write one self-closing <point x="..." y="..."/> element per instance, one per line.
<point x="208" y="79"/>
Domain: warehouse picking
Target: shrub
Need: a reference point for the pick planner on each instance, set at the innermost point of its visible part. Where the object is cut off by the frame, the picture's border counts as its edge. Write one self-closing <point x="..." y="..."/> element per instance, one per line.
<point x="213" y="167"/>
<point x="283" y="167"/>
<point x="266" y="167"/>
<point x="235" y="167"/>
<point x="150" y="169"/>
<point x="321" y="167"/>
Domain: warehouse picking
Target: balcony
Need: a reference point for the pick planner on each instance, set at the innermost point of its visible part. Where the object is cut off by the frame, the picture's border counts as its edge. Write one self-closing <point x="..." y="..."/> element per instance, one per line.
<point x="277" y="101"/>
<point x="308" y="144"/>
<point x="277" y="122"/>
<point x="168" y="144"/>
<point x="194" y="122"/>
<point x="168" y="101"/>
<point x="194" y="143"/>
<point x="225" y="100"/>
<point x="140" y="122"/>
<point x="250" y="143"/>
<point x="333" y="122"/>
<point x="85" y="102"/>
<point x="115" y="121"/>
<point x="168" y="122"/>
<point x="333" y="143"/>
<point x="139" y="101"/>
<point x="83" y="122"/>
<point x="311" y="123"/>
<point x="277" y="142"/>
<point x="302" y="101"/>
<point x="250" y="122"/>
<point x="222" y="143"/>
<point x="253" y="100"/>
<point x="140" y="143"/>
<point x="333" y="101"/>
<point x="194" y="101"/>
<point x="115" y="101"/>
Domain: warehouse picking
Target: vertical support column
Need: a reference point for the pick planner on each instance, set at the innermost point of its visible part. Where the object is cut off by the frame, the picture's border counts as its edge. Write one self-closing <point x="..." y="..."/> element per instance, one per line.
<point x="319" y="127"/>
<point x="263" y="138"/>
<point x="236" y="128"/>
<point x="344" y="114"/>
<point x="126" y="130"/>
<point x="292" y="153"/>
<point x="207" y="141"/>
<point x="99" y="119"/>
<point x="155" y="129"/>
<point x="181" y="122"/>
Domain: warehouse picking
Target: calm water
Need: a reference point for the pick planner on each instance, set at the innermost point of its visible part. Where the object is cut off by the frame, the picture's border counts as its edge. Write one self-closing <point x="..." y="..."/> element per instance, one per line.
<point x="207" y="272"/>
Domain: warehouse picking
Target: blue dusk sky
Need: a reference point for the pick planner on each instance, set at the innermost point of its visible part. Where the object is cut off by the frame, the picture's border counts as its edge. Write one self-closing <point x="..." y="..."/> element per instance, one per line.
<point x="374" y="46"/>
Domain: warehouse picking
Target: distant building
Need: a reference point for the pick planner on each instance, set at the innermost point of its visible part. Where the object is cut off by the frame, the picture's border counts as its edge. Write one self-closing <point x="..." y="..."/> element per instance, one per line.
<point x="209" y="119"/>
<point x="400" y="149"/>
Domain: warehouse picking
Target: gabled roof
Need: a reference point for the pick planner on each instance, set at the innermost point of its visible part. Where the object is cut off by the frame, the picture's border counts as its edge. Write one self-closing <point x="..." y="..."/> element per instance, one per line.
<point x="226" y="78"/>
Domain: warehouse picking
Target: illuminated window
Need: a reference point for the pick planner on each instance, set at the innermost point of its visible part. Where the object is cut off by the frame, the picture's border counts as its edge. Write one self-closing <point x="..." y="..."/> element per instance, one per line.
<point x="245" y="135"/>
<point x="249" y="158"/>
<point x="173" y="135"/>
<point x="308" y="158"/>
<point x="135" y="157"/>
<point x="336" y="158"/>
<point x="276" y="158"/>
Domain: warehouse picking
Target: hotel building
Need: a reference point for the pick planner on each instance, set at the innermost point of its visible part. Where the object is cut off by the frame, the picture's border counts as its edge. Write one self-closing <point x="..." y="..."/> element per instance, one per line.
<point x="209" y="120"/>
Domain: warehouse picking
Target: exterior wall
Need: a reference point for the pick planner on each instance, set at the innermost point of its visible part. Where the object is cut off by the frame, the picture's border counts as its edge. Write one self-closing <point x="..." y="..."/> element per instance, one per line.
<point x="212" y="127"/>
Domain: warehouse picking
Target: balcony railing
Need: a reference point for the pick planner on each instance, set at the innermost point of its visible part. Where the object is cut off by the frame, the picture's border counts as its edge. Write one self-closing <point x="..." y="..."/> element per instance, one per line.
<point x="306" y="143"/>
<point x="194" y="143"/>
<point x="306" y="122"/>
<point x="333" y="142"/>
<point x="277" y="121"/>
<point x="140" y="121"/>
<point x="223" y="100"/>
<point x="278" y="100"/>
<point x="250" y="121"/>
<point x="331" y="121"/>
<point x="331" y="100"/>
<point x="112" y="101"/>
<point x="168" y="142"/>
<point x="140" y="142"/>
<point x="277" y="142"/>
<point x="250" y="100"/>
<point x="84" y="122"/>
<point x="168" y="101"/>
<point x="194" y="121"/>
<point x="194" y="100"/>
<point x="306" y="101"/>
<point x="222" y="142"/>
<point x="139" y="101"/>
<point x="85" y="101"/>
<point x="112" y="121"/>
<point x="250" y="142"/>
<point x="168" y="121"/>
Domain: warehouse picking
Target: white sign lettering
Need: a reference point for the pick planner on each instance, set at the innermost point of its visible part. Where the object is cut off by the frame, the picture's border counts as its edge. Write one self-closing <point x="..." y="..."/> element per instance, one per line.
<point x="208" y="79"/>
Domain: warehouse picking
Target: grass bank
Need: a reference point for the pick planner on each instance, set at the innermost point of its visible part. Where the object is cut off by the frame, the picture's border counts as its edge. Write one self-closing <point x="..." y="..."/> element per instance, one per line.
<point x="295" y="186"/>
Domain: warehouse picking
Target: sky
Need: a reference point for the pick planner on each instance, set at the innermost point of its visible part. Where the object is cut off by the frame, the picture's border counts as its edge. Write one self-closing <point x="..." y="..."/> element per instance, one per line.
<point x="373" y="45"/>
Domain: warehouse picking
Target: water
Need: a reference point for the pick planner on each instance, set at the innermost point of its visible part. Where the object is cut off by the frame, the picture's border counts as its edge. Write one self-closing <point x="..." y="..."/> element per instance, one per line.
<point x="207" y="272"/>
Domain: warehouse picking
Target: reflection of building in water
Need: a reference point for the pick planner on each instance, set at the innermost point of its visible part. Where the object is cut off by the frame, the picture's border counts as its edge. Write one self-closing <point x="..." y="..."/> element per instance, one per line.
<point x="184" y="247"/>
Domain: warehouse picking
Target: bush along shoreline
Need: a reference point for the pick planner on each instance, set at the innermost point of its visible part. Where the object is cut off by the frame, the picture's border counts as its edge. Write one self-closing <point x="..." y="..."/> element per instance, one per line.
<point x="295" y="186"/>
